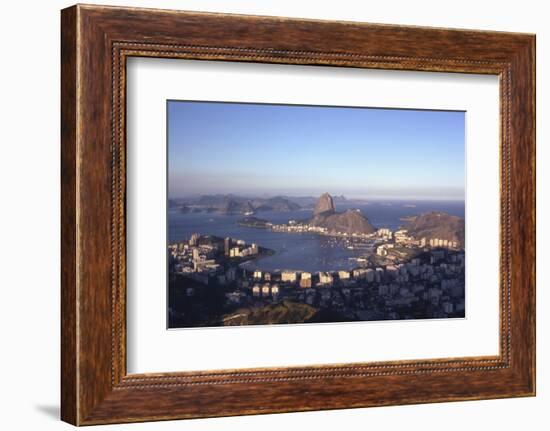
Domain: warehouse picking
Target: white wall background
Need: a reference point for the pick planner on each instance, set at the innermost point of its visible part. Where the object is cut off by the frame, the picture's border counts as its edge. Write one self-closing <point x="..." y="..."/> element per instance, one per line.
<point x="29" y="216"/>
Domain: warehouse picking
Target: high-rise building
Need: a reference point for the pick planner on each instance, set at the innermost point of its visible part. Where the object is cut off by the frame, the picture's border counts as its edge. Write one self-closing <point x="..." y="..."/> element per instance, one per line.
<point x="370" y="275"/>
<point x="289" y="276"/>
<point x="379" y="274"/>
<point x="343" y="275"/>
<point x="305" y="276"/>
<point x="325" y="278"/>
<point x="381" y="250"/>
<point x="194" y="241"/>
<point x="305" y="283"/>
<point x="231" y="274"/>
<point x="196" y="255"/>
<point x="385" y="233"/>
<point x="392" y="271"/>
<point x="359" y="273"/>
<point x="256" y="290"/>
<point x="226" y="246"/>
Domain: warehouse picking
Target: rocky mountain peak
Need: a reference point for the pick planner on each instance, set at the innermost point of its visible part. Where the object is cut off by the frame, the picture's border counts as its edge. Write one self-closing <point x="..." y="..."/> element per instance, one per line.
<point x="325" y="204"/>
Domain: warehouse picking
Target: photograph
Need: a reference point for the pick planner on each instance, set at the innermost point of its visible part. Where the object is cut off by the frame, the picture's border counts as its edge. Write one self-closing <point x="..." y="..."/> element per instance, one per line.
<point x="295" y="214"/>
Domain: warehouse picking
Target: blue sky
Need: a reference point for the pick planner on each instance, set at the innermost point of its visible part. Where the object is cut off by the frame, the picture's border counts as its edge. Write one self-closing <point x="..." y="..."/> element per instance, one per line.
<point x="261" y="149"/>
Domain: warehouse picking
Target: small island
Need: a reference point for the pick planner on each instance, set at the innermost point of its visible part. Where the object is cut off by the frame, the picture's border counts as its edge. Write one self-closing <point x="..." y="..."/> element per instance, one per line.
<point x="254" y="222"/>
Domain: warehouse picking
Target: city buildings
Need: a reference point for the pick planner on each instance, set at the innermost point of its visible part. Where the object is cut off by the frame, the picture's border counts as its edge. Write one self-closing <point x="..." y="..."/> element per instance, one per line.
<point x="325" y="278"/>
<point x="397" y="278"/>
<point x="289" y="276"/>
<point x="385" y="233"/>
<point x="344" y="275"/>
<point x="305" y="280"/>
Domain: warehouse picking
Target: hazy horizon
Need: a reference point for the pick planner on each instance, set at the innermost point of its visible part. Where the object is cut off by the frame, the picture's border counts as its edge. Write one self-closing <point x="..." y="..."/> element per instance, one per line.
<point x="314" y="195"/>
<point x="299" y="151"/>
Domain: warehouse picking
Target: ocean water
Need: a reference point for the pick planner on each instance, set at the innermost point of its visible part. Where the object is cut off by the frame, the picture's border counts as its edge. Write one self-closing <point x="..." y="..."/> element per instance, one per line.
<point x="305" y="252"/>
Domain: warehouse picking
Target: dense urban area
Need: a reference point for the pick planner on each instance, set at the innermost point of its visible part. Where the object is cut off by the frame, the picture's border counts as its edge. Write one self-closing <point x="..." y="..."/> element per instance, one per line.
<point x="415" y="272"/>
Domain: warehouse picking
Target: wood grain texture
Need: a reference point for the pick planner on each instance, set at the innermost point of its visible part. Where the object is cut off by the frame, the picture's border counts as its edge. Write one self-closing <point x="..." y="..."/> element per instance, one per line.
<point x="69" y="366"/>
<point x="96" y="41"/>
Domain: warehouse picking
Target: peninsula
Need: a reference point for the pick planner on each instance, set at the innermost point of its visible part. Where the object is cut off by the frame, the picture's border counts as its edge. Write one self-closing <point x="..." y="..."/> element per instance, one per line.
<point x="325" y="220"/>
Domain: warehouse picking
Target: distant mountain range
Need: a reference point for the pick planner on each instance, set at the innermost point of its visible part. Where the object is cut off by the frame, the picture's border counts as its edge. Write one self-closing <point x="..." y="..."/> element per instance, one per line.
<point x="232" y="204"/>
<point x="434" y="224"/>
<point x="216" y="200"/>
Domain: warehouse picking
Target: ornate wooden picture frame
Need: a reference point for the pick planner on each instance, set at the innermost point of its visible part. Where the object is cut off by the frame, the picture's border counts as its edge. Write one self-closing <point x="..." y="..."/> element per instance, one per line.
<point x="96" y="41"/>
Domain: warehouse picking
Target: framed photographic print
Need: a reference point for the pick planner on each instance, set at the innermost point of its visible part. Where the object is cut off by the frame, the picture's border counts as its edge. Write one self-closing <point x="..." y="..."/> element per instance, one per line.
<point x="254" y="238"/>
<point x="324" y="214"/>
